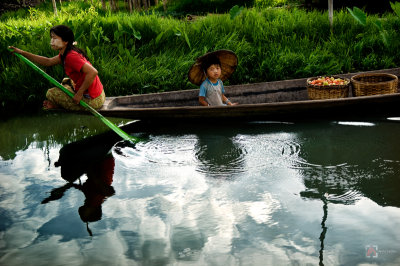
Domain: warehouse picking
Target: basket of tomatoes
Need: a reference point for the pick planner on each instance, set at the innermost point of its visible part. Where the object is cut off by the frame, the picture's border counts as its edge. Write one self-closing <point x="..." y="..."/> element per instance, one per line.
<point x="327" y="87"/>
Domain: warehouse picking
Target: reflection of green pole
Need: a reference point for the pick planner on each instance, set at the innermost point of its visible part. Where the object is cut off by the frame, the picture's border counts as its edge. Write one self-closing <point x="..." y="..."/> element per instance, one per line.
<point x="116" y="129"/>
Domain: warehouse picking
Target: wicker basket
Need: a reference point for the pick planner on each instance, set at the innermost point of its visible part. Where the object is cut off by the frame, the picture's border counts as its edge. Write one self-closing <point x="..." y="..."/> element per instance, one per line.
<point x="318" y="92"/>
<point x="373" y="84"/>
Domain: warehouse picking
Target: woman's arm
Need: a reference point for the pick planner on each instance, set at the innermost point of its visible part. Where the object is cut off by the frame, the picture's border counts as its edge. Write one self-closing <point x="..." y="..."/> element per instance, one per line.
<point x="41" y="60"/>
<point x="91" y="74"/>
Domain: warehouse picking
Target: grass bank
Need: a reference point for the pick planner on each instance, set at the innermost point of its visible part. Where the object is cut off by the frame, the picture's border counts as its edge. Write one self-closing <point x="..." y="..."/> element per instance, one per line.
<point x="144" y="53"/>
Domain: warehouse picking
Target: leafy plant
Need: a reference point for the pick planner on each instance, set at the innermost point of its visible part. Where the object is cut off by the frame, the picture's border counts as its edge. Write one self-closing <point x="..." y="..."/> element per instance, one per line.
<point x="396" y="8"/>
<point x="358" y="15"/>
<point x="361" y="17"/>
<point x="235" y="11"/>
<point x="144" y="53"/>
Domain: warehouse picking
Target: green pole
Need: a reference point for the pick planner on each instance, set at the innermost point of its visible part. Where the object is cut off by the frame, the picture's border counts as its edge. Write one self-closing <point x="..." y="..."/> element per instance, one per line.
<point x="116" y="129"/>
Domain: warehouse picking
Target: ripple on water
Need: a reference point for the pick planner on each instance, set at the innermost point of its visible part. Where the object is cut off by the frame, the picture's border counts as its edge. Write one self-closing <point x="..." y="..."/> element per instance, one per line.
<point x="272" y="150"/>
<point x="220" y="156"/>
<point x="160" y="150"/>
<point x="347" y="198"/>
<point x="304" y="165"/>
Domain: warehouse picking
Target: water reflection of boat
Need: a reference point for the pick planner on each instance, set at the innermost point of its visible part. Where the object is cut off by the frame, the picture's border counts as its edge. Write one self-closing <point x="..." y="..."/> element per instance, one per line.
<point x="286" y="99"/>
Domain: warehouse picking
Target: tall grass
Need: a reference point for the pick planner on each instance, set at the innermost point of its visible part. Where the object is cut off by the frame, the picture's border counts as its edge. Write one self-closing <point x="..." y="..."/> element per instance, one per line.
<point x="137" y="53"/>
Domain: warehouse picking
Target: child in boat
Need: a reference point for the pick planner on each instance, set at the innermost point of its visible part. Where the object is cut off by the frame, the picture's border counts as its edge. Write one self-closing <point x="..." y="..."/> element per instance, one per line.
<point x="85" y="82"/>
<point x="209" y="72"/>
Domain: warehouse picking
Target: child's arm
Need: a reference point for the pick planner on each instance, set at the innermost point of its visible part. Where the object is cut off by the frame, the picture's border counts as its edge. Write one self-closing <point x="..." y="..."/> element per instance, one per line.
<point x="202" y="101"/>
<point x="202" y="96"/>
<point x="227" y="101"/>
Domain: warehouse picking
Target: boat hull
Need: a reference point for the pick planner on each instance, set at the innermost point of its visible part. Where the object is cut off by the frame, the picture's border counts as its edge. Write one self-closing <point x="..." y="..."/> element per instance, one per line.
<point x="280" y="100"/>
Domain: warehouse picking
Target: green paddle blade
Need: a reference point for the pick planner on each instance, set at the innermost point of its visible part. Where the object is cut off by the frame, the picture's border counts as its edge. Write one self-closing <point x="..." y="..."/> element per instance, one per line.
<point x="116" y="129"/>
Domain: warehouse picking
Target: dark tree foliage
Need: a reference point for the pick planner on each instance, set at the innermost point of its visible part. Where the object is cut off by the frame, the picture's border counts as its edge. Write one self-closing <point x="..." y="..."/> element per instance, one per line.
<point x="376" y="6"/>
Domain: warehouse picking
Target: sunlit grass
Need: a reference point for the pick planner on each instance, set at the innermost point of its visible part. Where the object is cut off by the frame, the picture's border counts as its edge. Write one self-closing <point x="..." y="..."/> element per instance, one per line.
<point x="142" y="53"/>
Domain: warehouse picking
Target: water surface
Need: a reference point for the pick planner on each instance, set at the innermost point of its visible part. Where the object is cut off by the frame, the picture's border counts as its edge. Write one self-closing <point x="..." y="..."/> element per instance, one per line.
<point x="304" y="193"/>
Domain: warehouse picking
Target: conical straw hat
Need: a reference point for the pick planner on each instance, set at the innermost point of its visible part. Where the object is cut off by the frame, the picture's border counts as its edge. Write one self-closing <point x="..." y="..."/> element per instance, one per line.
<point x="227" y="58"/>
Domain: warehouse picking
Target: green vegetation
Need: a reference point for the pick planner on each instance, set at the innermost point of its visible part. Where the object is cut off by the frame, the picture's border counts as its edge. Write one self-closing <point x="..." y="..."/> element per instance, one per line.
<point x="143" y="53"/>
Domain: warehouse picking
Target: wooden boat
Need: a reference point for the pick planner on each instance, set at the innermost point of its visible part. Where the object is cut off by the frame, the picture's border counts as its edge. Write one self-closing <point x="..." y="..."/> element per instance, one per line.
<point x="271" y="101"/>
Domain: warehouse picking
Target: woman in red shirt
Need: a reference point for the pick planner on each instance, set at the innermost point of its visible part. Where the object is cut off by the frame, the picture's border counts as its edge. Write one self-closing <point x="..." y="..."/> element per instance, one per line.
<point x="84" y="81"/>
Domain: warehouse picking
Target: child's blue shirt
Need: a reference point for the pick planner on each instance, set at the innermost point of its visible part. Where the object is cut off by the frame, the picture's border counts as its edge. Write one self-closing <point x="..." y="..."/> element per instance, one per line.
<point x="212" y="92"/>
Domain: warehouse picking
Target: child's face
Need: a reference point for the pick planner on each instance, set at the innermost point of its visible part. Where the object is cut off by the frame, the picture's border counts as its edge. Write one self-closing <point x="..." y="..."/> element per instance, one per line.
<point x="214" y="72"/>
<point x="57" y="43"/>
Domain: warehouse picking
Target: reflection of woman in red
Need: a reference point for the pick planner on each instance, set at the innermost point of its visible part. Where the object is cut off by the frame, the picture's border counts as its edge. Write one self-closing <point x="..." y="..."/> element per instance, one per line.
<point x="97" y="188"/>
<point x="92" y="157"/>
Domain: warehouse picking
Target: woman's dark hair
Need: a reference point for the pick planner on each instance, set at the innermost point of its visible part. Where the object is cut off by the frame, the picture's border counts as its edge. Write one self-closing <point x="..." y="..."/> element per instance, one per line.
<point x="210" y="60"/>
<point x="66" y="34"/>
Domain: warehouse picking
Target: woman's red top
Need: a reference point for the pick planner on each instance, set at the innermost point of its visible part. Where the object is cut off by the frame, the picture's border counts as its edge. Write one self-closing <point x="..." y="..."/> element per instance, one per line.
<point x="73" y="64"/>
